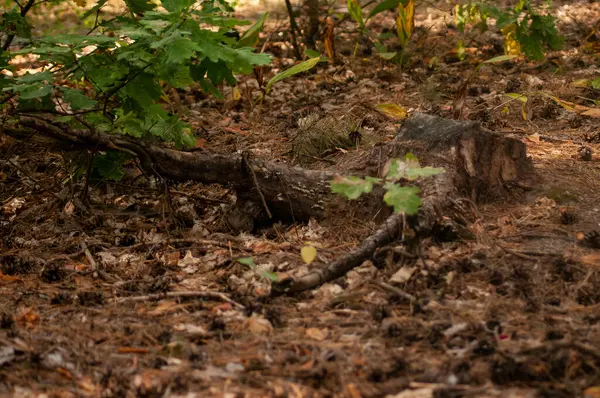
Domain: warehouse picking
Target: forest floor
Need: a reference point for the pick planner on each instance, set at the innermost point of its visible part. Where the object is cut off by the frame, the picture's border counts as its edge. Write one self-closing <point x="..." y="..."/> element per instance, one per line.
<point x="133" y="299"/>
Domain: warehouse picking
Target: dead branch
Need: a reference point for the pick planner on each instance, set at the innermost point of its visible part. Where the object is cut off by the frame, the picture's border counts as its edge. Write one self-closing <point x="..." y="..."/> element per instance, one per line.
<point x="386" y="233"/>
<point x="160" y="296"/>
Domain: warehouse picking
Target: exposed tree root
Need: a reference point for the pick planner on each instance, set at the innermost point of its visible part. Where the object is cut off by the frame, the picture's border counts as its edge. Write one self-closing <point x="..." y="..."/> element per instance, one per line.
<point x="389" y="231"/>
<point x="478" y="164"/>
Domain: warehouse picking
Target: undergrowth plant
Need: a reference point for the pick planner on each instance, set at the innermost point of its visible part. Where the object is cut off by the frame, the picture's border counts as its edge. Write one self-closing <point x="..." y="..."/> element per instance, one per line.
<point x="115" y="77"/>
<point x="403" y="198"/>
<point x="526" y="29"/>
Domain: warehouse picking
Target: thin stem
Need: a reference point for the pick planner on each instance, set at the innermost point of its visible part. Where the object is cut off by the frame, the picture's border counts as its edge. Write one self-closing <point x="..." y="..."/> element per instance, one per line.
<point x="293" y="29"/>
<point x="24" y="10"/>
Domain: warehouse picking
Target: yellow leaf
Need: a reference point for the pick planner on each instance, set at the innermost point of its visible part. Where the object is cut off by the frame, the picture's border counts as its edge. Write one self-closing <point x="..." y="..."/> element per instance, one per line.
<point x="236" y="94"/>
<point x="308" y="254"/>
<point x="580" y="83"/>
<point x="405" y="21"/>
<point x="81" y="3"/>
<point x="392" y="110"/>
<point x="511" y="45"/>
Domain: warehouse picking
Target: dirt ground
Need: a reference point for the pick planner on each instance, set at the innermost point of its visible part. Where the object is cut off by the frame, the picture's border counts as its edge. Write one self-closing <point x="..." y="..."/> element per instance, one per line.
<point x="129" y="298"/>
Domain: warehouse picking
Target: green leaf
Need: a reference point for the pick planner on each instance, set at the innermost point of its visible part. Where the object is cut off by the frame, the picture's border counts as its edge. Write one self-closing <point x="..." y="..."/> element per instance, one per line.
<point x="388" y="56"/>
<point x="131" y="125"/>
<point x="176" y="5"/>
<point x="94" y="9"/>
<point x="351" y="187"/>
<point x="409" y="169"/>
<point x="250" y="37"/>
<point x="140" y="6"/>
<point x="180" y="50"/>
<point x="110" y="164"/>
<point x="355" y="12"/>
<point x="34" y="91"/>
<point x="36" y="77"/>
<point x="519" y="97"/>
<point x="311" y="53"/>
<point x="403" y="199"/>
<point x="383" y="6"/>
<point x="246" y="261"/>
<point x="14" y="23"/>
<point x="272" y="276"/>
<point x="419" y="172"/>
<point x="496" y="60"/>
<point x="596" y="83"/>
<point x="143" y="89"/>
<point x="294" y="70"/>
<point x="77" y="99"/>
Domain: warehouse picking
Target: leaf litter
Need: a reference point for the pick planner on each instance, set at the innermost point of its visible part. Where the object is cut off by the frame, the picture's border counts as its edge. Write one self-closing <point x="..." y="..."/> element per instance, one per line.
<point x="162" y="307"/>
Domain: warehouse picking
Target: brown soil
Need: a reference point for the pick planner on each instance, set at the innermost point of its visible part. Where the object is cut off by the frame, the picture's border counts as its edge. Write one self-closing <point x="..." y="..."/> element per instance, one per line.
<point x="133" y="297"/>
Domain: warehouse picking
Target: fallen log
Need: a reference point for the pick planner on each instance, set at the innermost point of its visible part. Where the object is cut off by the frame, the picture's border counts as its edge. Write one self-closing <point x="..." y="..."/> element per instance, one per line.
<point x="479" y="164"/>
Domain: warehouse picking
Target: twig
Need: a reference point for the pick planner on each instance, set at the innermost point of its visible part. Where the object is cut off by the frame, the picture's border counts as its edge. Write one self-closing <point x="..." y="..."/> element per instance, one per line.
<point x="402" y="252"/>
<point x="255" y="180"/>
<point x="293" y="29"/>
<point x="514" y="253"/>
<point x="553" y="347"/>
<point x="393" y="290"/>
<point x="190" y="241"/>
<point x="388" y="231"/>
<point x="160" y="296"/>
<point x="89" y="256"/>
<point x="96" y="271"/>
<point x="42" y="187"/>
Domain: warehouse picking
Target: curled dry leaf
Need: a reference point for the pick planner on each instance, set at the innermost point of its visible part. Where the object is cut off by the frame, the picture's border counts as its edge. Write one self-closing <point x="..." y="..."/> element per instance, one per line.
<point x="330" y="40"/>
<point x="258" y="325"/>
<point x="317" y="334"/>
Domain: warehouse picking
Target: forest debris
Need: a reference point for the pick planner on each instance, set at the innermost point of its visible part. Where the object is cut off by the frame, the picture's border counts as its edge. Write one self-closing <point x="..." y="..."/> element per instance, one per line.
<point x="258" y="325"/>
<point x="159" y="296"/>
<point x="394" y="290"/>
<point x="133" y="350"/>
<point x="7" y="354"/>
<point x="317" y="334"/>
<point x="317" y="137"/>
<point x="426" y="392"/>
<point x="403" y="275"/>
<point x="585" y="153"/>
